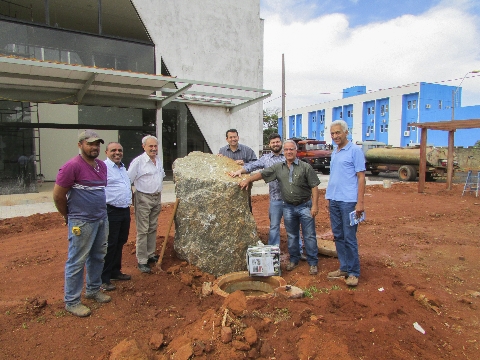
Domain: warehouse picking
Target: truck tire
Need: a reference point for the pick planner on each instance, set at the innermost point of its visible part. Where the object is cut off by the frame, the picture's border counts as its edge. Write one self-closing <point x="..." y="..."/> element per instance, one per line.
<point x="374" y="173"/>
<point x="407" y="173"/>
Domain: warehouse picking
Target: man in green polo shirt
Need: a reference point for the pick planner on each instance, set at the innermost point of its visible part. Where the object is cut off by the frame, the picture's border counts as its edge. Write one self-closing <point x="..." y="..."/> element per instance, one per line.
<point x="298" y="184"/>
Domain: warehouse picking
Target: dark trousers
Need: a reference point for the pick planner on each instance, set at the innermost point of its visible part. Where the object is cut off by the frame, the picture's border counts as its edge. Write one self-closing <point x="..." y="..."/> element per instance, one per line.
<point x="119" y="225"/>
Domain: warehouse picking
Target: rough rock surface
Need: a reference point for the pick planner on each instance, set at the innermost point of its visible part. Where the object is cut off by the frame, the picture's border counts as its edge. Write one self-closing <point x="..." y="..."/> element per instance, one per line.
<point x="213" y="224"/>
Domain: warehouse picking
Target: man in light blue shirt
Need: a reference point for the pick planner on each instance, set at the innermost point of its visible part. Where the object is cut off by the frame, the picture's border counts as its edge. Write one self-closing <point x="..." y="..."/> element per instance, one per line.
<point x="345" y="192"/>
<point x="119" y="197"/>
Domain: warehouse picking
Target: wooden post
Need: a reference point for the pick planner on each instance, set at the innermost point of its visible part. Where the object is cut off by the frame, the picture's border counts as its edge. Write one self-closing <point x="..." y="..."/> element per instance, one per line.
<point x="423" y="160"/>
<point x="451" y="137"/>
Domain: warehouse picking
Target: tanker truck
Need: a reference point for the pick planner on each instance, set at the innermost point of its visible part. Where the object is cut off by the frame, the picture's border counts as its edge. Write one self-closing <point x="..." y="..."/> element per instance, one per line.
<point x="404" y="160"/>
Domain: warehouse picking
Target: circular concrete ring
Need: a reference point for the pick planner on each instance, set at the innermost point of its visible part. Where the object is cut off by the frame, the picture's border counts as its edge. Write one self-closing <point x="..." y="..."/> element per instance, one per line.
<point x="231" y="282"/>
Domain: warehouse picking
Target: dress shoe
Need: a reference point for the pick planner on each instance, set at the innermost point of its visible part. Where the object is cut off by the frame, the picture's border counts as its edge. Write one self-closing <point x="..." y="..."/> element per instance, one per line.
<point x="153" y="259"/>
<point x="144" y="268"/>
<point x="107" y="287"/>
<point x="121" y="277"/>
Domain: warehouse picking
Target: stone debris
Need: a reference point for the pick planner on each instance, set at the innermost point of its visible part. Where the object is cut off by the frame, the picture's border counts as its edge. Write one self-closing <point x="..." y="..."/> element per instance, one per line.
<point x="156" y="341"/>
<point x="213" y="223"/>
<point x="290" y="292"/>
<point x="127" y="350"/>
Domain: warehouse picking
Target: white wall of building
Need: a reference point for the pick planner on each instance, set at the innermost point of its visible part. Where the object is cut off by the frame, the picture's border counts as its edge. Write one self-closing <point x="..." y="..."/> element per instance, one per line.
<point x="395" y="112"/>
<point x="57" y="146"/>
<point x="217" y="41"/>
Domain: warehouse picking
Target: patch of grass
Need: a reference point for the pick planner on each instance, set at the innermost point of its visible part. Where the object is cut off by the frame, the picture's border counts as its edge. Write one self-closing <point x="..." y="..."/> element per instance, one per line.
<point x="308" y="292"/>
<point x="60" y="313"/>
<point x="336" y="287"/>
<point x="7" y="312"/>
<point x="41" y="319"/>
<point x="24" y="325"/>
<point x="278" y="315"/>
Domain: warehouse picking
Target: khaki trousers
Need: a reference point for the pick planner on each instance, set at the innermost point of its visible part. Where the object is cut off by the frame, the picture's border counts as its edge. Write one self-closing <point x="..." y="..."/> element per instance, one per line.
<point x="147" y="210"/>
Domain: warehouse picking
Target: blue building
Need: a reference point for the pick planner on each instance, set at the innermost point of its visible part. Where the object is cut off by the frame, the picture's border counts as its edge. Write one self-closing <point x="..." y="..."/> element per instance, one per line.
<point x="384" y="115"/>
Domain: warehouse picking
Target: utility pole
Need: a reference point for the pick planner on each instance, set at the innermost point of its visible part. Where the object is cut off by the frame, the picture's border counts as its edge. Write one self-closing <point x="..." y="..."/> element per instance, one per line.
<point x="284" y="119"/>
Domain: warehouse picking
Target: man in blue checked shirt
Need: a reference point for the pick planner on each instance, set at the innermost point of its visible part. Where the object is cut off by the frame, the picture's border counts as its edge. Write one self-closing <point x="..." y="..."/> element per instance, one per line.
<point x="275" y="211"/>
<point x="119" y="198"/>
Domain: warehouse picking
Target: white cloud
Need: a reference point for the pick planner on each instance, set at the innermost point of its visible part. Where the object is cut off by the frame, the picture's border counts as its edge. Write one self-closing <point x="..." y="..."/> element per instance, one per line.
<point x="327" y="55"/>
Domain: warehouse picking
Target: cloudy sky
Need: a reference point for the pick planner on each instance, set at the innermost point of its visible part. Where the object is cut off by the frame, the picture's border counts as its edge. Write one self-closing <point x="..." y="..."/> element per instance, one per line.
<point x="330" y="45"/>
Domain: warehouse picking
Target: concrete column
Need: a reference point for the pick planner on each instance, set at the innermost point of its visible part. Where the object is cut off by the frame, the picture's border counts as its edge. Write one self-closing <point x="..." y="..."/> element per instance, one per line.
<point x="181" y="130"/>
<point x="158" y="134"/>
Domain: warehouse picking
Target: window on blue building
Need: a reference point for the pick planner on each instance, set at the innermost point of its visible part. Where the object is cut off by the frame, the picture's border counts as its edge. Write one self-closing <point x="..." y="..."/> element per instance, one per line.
<point x="414" y="104"/>
<point x="439" y="104"/>
<point x="409" y="105"/>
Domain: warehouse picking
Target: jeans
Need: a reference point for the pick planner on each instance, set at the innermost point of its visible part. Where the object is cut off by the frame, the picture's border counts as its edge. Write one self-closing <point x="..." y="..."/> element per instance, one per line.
<point x="119" y="226"/>
<point x="275" y="213"/>
<point x="345" y="236"/>
<point x="293" y="217"/>
<point x="87" y="249"/>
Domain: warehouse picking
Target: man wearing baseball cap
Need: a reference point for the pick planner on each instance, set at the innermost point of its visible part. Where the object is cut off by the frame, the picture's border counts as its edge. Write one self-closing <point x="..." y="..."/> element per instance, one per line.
<point x="79" y="195"/>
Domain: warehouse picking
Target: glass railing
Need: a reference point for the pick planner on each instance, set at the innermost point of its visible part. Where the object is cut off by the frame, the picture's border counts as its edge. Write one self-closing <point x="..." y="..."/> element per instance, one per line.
<point x="68" y="47"/>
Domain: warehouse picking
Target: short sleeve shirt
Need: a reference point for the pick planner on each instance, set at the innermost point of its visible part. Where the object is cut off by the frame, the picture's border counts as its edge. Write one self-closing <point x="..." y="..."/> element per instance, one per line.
<point x="296" y="185"/>
<point x="86" y="198"/>
<point x="344" y="166"/>
<point x="243" y="152"/>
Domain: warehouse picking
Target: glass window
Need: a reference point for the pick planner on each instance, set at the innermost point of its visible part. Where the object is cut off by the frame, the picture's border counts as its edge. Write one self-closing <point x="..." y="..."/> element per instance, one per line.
<point x="409" y="104"/>
<point x="439" y="104"/>
<point x="414" y="104"/>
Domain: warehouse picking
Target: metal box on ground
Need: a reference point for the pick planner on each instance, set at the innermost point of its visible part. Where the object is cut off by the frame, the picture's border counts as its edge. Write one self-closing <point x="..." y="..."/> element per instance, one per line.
<point x="263" y="260"/>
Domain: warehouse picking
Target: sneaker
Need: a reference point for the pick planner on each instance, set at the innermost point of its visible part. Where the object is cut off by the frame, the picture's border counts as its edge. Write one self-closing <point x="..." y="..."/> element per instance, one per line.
<point x="303" y="257"/>
<point x="107" y="287"/>
<point x="291" y="266"/>
<point x="337" y="274"/>
<point x="144" y="268"/>
<point x="313" y="270"/>
<point x="121" y="277"/>
<point x="79" y="310"/>
<point x="351" y="281"/>
<point x="99" y="297"/>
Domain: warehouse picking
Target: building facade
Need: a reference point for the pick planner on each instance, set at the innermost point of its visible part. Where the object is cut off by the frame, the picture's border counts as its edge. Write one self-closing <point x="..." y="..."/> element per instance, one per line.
<point x="387" y="115"/>
<point x="213" y="42"/>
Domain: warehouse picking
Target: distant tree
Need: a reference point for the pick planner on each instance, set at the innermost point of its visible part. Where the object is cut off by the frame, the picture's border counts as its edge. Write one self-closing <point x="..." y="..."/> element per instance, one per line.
<point x="270" y="123"/>
<point x="477" y="144"/>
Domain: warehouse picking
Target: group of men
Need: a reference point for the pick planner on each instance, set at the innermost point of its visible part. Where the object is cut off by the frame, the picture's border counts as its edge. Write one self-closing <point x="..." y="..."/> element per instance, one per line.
<point x="293" y="188"/>
<point x="94" y="198"/>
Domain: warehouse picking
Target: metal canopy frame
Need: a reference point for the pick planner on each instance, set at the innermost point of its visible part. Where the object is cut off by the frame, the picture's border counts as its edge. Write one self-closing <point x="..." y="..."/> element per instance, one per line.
<point x="40" y="81"/>
<point x="451" y="127"/>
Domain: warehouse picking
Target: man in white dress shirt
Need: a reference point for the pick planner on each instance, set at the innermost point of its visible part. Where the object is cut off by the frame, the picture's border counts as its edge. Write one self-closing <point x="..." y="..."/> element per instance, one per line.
<point x="146" y="173"/>
<point x="119" y="197"/>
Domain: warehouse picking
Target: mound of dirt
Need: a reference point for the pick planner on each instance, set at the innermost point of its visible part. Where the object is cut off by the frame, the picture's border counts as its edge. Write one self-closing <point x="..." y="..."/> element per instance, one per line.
<point x="419" y="262"/>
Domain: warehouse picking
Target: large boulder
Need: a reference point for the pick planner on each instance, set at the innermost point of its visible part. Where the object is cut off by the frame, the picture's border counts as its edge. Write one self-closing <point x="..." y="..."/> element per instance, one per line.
<point x="213" y="223"/>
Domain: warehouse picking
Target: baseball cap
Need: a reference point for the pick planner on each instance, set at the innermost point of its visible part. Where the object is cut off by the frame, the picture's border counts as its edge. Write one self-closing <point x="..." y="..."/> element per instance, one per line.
<point x="90" y="136"/>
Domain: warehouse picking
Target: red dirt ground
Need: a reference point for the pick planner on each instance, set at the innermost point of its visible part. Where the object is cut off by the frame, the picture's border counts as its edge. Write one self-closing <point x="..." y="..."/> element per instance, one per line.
<point x="422" y="249"/>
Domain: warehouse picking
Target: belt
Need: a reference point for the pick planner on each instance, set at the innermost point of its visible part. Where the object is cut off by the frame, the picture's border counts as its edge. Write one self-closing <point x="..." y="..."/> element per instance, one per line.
<point x="296" y="203"/>
<point x="152" y="194"/>
<point x="116" y="207"/>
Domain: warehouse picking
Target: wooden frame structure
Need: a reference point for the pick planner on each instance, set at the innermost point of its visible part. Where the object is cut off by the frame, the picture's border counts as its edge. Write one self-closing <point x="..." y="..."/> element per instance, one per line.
<point x="451" y="127"/>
